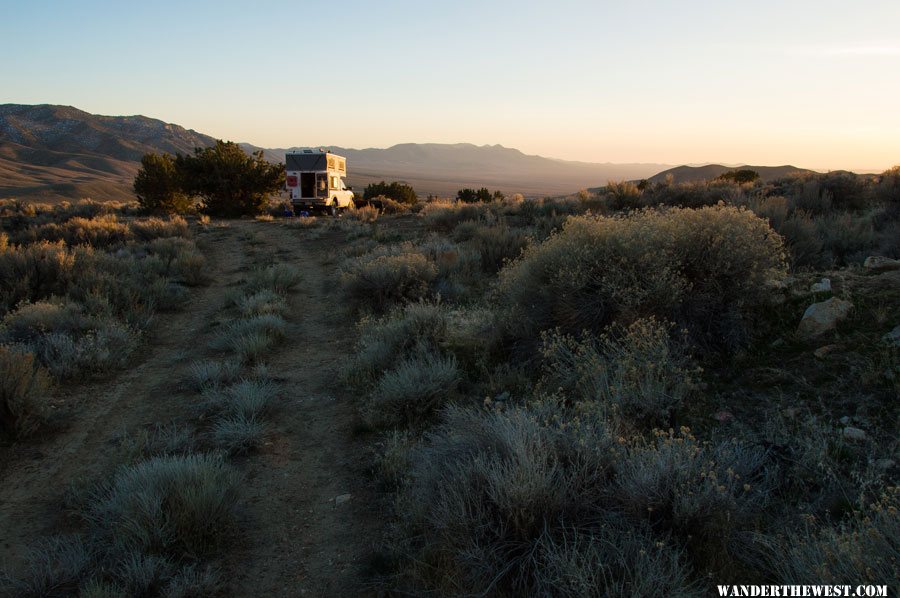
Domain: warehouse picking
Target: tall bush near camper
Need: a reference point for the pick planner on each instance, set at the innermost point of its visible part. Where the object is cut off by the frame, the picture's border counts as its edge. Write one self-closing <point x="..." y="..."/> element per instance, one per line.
<point x="229" y="182"/>
<point x="158" y="185"/>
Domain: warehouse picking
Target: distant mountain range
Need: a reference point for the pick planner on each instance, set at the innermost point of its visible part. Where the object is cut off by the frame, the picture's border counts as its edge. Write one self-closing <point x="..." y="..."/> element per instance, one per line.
<point x="690" y="174"/>
<point x="50" y="153"/>
<point x="442" y="169"/>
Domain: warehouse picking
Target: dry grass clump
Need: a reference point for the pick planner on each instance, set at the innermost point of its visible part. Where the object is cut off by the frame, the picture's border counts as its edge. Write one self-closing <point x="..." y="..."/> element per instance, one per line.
<point x="444" y="216"/>
<point x="33" y="272"/>
<point x="703" y="269"/>
<point x="147" y="229"/>
<point x="279" y="278"/>
<point x="638" y="369"/>
<point x="102" y="232"/>
<point x="389" y="206"/>
<point x="414" y="390"/>
<point x="238" y="434"/>
<point x="147" y="528"/>
<point x="379" y="281"/>
<point x="212" y="374"/>
<point x="262" y="302"/>
<point x="249" y="338"/>
<point x="497" y="244"/>
<point x="367" y="213"/>
<point x="24" y="390"/>
<point x="178" y="505"/>
<point x="392" y="338"/>
<point x="864" y="548"/>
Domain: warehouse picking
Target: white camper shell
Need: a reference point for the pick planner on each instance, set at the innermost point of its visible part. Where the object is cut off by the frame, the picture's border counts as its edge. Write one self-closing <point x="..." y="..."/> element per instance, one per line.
<point x="315" y="181"/>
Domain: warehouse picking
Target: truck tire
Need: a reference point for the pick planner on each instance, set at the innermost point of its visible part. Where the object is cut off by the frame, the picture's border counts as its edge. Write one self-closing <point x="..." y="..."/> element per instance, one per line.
<point x="333" y="209"/>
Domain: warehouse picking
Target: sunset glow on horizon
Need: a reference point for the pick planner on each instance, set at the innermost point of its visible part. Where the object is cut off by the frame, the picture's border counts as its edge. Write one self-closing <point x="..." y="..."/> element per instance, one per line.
<point x="813" y="84"/>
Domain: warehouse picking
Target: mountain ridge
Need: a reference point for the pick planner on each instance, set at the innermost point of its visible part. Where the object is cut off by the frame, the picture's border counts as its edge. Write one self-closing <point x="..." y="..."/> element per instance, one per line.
<point x="53" y="152"/>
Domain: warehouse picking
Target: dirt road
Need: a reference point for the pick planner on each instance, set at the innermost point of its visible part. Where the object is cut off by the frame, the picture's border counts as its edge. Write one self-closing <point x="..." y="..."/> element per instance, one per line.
<point x="304" y="534"/>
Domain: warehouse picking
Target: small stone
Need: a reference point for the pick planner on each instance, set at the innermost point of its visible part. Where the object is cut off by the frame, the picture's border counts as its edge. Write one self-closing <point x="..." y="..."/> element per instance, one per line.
<point x="822" y="352"/>
<point x="885" y="464"/>
<point x="341" y="499"/>
<point x="821" y="317"/>
<point x="851" y="433"/>
<point x="877" y="263"/>
<point x="845" y="420"/>
<point x="823" y="286"/>
<point x="893" y="337"/>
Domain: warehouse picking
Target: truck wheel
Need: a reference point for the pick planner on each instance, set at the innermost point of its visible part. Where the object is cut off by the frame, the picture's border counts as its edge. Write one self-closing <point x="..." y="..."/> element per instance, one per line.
<point x="333" y="209"/>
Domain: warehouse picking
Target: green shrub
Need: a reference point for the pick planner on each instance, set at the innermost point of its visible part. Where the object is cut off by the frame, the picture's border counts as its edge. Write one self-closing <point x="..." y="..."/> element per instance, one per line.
<point x="638" y="368"/>
<point x="379" y="281"/>
<point x="24" y="390"/>
<point x="414" y="390"/>
<point x="396" y="191"/>
<point x="147" y="229"/>
<point x="703" y="269"/>
<point x="183" y="506"/>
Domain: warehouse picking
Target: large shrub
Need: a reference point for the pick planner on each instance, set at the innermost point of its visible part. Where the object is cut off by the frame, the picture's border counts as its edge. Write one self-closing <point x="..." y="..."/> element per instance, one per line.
<point x="537" y="501"/>
<point x="396" y="191"/>
<point x="229" y="182"/>
<point x="703" y="269"/>
<point x="24" y="387"/>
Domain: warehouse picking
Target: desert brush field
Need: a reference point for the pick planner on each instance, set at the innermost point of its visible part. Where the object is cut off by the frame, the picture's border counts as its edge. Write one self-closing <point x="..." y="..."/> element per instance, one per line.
<point x="631" y="391"/>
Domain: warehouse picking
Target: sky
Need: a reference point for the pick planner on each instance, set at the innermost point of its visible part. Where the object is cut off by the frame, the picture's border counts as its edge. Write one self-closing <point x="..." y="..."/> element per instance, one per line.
<point x="815" y="84"/>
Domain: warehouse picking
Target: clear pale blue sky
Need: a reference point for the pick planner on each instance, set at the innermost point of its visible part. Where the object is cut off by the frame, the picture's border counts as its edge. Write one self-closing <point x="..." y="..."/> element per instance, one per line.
<point x="812" y="83"/>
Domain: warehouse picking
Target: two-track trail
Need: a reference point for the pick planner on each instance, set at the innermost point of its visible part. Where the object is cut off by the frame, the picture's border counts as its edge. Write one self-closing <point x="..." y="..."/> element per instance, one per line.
<point x="298" y="540"/>
<point x="303" y="541"/>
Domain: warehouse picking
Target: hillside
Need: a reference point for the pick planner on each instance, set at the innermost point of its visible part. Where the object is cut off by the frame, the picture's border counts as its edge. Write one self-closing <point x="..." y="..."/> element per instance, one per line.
<point x="689" y="174"/>
<point x="442" y="169"/>
<point x="51" y="152"/>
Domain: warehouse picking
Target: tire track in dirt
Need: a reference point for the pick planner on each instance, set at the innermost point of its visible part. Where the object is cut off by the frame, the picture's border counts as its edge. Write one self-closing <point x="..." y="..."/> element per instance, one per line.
<point x="35" y="474"/>
<point x="301" y="541"/>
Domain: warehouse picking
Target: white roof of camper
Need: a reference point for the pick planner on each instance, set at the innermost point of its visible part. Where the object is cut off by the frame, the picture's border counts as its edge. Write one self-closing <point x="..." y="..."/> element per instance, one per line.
<point x="312" y="159"/>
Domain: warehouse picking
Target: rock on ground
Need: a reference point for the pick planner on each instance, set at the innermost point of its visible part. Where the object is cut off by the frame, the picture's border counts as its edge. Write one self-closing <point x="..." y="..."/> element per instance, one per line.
<point x="821" y="317"/>
<point x="877" y="263"/>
